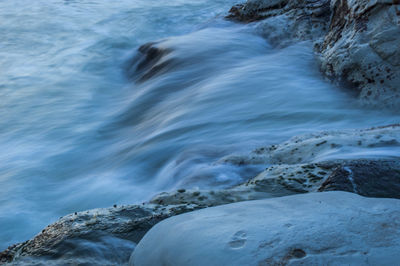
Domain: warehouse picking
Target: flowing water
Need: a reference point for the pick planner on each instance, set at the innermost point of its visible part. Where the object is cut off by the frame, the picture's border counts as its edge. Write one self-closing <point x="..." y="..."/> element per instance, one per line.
<point x="78" y="130"/>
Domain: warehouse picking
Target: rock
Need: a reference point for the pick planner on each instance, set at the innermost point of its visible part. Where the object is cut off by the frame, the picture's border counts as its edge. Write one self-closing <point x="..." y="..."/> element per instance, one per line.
<point x="326" y="145"/>
<point x="356" y="41"/>
<point x="119" y="228"/>
<point x="286" y="179"/>
<point x="284" y="22"/>
<point x="81" y="237"/>
<point x="361" y="49"/>
<point x="368" y="178"/>
<point x="330" y="228"/>
<point x="151" y="60"/>
<point x="254" y="10"/>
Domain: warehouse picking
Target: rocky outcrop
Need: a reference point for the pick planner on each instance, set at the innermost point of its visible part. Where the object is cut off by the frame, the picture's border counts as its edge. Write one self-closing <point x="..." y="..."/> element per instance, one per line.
<point x="111" y="234"/>
<point x="330" y="228"/>
<point x="283" y="21"/>
<point x="361" y="49"/>
<point x="357" y="41"/>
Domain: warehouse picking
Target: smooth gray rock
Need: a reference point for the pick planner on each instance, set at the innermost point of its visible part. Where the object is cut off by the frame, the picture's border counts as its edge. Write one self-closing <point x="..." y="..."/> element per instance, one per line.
<point x="330" y="228"/>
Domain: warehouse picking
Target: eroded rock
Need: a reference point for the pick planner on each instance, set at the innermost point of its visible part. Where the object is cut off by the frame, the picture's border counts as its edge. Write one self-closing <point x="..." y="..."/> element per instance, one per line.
<point x="361" y="49"/>
<point x="357" y="41"/>
<point x="283" y="22"/>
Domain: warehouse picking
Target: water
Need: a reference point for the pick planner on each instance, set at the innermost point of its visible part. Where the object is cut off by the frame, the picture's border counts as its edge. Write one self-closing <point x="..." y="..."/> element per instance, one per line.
<point x="78" y="131"/>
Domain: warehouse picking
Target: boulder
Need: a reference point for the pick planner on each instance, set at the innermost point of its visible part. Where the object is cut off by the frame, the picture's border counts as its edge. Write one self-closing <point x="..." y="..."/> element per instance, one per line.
<point x="330" y="228"/>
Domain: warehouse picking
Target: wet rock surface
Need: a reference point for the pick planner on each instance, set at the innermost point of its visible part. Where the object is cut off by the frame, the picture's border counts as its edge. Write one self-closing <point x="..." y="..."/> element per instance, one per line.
<point x="324" y="146"/>
<point x="119" y="227"/>
<point x="283" y="22"/>
<point x="151" y="60"/>
<point x="379" y="179"/>
<point x="356" y="41"/>
<point x="82" y="236"/>
<point x="361" y="49"/>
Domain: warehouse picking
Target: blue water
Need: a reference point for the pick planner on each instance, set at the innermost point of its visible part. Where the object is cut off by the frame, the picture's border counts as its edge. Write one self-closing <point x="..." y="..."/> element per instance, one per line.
<point x="78" y="132"/>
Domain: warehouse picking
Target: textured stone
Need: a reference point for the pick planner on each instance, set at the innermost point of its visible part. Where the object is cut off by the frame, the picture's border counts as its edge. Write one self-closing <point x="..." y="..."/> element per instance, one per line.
<point x="367" y="178"/>
<point x="283" y="22"/>
<point x="361" y="49"/>
<point x="357" y="41"/>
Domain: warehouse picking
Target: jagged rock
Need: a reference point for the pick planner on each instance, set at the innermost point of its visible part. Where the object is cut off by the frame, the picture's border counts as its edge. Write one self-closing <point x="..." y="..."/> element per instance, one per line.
<point x="283" y="21"/>
<point x="330" y="228"/>
<point x="254" y="10"/>
<point x="357" y="41"/>
<point x="361" y="49"/>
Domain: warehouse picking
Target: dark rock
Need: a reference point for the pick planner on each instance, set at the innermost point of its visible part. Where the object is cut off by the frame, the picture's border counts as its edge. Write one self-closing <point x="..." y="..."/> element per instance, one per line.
<point x="370" y="178"/>
<point x="149" y="61"/>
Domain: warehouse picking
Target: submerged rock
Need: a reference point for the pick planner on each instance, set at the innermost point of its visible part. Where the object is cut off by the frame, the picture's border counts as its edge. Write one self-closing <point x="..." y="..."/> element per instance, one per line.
<point x="151" y="60"/>
<point x="330" y="228"/>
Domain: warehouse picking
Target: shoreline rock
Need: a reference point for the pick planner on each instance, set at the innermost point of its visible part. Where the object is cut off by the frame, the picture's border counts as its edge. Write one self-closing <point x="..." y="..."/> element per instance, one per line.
<point x="361" y="49"/>
<point x="356" y="41"/>
<point x="284" y="175"/>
